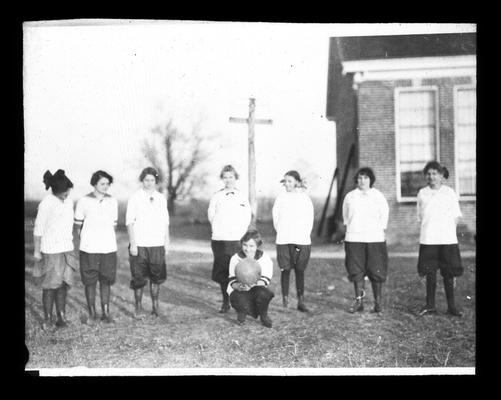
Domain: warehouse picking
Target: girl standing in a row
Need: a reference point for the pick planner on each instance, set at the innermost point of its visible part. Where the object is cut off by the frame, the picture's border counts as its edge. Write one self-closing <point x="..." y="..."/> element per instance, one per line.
<point x="293" y="221"/>
<point x="96" y="215"/>
<point x="229" y="214"/>
<point x="365" y="214"/>
<point x="438" y="211"/>
<point x="53" y="237"/>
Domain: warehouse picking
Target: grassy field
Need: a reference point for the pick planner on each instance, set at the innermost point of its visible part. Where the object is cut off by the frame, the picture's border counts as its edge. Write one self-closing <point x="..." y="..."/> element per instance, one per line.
<point x="192" y="334"/>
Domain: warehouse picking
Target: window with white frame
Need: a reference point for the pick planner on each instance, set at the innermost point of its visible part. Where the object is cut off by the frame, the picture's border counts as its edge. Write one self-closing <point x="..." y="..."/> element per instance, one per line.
<point x="466" y="135"/>
<point x="416" y="119"/>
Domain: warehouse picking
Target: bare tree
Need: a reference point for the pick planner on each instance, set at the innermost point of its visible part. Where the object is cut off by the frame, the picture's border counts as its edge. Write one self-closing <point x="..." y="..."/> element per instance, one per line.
<point x="177" y="156"/>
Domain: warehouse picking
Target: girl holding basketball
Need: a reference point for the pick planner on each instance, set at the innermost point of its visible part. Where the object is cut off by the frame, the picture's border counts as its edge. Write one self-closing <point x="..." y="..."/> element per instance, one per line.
<point x="250" y="272"/>
<point x="438" y="211"/>
<point x="53" y="241"/>
<point x="293" y="222"/>
<point x="229" y="214"/>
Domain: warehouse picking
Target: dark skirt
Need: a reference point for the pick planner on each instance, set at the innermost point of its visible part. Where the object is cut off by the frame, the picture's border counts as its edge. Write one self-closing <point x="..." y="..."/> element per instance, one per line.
<point x="223" y="250"/>
<point x="445" y="257"/>
<point x="293" y="256"/>
<point x="366" y="259"/>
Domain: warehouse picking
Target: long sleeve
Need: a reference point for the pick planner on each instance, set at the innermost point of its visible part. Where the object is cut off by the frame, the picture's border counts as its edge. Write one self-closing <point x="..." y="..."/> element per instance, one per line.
<point x="130" y="214"/>
<point x="211" y="211"/>
<point x="231" y="272"/>
<point x="385" y="212"/>
<point x="346" y="209"/>
<point x="41" y="219"/>
<point x="419" y="207"/>
<point x="456" y="210"/>
<point x="266" y="269"/>
<point x="275" y="211"/>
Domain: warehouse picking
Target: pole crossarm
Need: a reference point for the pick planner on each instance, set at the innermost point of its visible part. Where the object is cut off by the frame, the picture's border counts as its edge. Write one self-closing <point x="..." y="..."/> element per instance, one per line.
<point x="256" y="121"/>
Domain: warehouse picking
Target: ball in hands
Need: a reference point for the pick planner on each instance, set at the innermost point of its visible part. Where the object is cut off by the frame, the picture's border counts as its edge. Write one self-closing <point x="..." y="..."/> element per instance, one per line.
<point x="248" y="271"/>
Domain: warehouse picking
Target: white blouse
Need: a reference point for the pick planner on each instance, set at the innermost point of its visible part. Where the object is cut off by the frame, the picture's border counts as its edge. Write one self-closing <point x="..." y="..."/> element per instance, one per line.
<point x="229" y="214"/>
<point x="99" y="218"/>
<point x="438" y="210"/>
<point x="293" y="218"/>
<point x="54" y="223"/>
<point x="365" y="215"/>
<point x="150" y="217"/>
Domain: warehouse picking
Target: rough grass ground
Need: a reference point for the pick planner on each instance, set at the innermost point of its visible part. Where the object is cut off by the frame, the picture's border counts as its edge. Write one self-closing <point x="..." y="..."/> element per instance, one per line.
<point x="192" y="334"/>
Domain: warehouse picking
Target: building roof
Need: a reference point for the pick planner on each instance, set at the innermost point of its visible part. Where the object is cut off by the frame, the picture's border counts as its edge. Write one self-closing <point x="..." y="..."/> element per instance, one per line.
<point x="405" y="46"/>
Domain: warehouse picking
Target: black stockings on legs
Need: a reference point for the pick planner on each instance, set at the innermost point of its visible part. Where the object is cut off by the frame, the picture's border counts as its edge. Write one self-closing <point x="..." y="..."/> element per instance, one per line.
<point x="225" y="307"/>
<point x="48" y="296"/>
<point x="90" y="296"/>
<point x="155" y="290"/>
<point x="61" y="305"/>
<point x="104" y="289"/>
<point x="284" y="284"/>
<point x="449" y="294"/>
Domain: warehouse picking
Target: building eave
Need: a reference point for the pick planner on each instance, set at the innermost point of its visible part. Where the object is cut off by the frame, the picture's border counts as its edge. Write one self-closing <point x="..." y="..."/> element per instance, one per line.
<point x="409" y="68"/>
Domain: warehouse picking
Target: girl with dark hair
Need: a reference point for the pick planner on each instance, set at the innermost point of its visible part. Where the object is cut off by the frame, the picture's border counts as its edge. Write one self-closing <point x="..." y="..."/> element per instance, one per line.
<point x="96" y="215"/>
<point x="229" y="214"/>
<point x="251" y="299"/>
<point x="293" y="221"/>
<point x="438" y="212"/>
<point x="147" y="220"/>
<point x="365" y="214"/>
<point x="53" y="242"/>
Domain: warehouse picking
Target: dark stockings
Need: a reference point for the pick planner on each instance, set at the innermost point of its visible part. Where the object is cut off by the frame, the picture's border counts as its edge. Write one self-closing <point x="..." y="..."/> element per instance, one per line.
<point x="449" y="294"/>
<point x="48" y="296"/>
<point x="226" y="298"/>
<point x="138" y="298"/>
<point x="61" y="305"/>
<point x="285" y="281"/>
<point x="155" y="290"/>
<point x="431" y="286"/>
<point x="104" y="290"/>
<point x="376" y="290"/>
<point x="90" y="296"/>
<point x="358" y="304"/>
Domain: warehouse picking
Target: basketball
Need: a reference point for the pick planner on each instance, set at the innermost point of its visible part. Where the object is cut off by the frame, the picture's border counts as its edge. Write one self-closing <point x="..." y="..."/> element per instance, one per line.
<point x="248" y="271"/>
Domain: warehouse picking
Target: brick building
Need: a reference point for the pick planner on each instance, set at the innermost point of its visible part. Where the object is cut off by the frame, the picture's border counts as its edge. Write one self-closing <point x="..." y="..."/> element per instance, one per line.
<point x="398" y="102"/>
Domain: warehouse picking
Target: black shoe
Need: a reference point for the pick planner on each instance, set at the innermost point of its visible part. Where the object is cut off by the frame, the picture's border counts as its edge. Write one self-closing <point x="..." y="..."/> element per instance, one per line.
<point x="427" y="311"/>
<point x="47" y="325"/>
<point x="107" y="318"/>
<point x="241" y="318"/>
<point x="377" y="309"/>
<point x="454" y="312"/>
<point x="356" y="306"/>
<point x="266" y="321"/>
<point x="300" y="304"/>
<point x="61" y="323"/>
<point x="224" y="308"/>
<point x="285" y="301"/>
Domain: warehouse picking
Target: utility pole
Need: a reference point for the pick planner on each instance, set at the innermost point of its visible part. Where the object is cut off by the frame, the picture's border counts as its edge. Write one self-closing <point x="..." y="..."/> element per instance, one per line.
<point x="250" y="121"/>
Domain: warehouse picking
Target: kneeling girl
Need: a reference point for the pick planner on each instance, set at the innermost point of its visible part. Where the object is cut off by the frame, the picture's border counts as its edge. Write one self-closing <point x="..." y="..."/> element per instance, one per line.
<point x="251" y="299"/>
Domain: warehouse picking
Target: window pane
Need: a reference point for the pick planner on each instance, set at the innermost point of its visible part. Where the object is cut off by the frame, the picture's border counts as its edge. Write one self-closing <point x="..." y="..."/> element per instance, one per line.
<point x="466" y="141"/>
<point x="416" y="130"/>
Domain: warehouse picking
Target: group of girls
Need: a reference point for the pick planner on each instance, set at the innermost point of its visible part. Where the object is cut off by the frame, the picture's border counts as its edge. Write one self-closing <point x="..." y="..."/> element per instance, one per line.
<point x="92" y="228"/>
<point x="365" y="214"/>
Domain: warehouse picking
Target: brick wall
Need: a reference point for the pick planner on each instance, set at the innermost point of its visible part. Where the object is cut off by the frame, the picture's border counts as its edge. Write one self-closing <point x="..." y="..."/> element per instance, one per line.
<point x="377" y="146"/>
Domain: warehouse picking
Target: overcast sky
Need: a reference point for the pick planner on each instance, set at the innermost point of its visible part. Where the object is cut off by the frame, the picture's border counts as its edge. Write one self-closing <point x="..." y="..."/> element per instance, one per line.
<point x="94" y="89"/>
